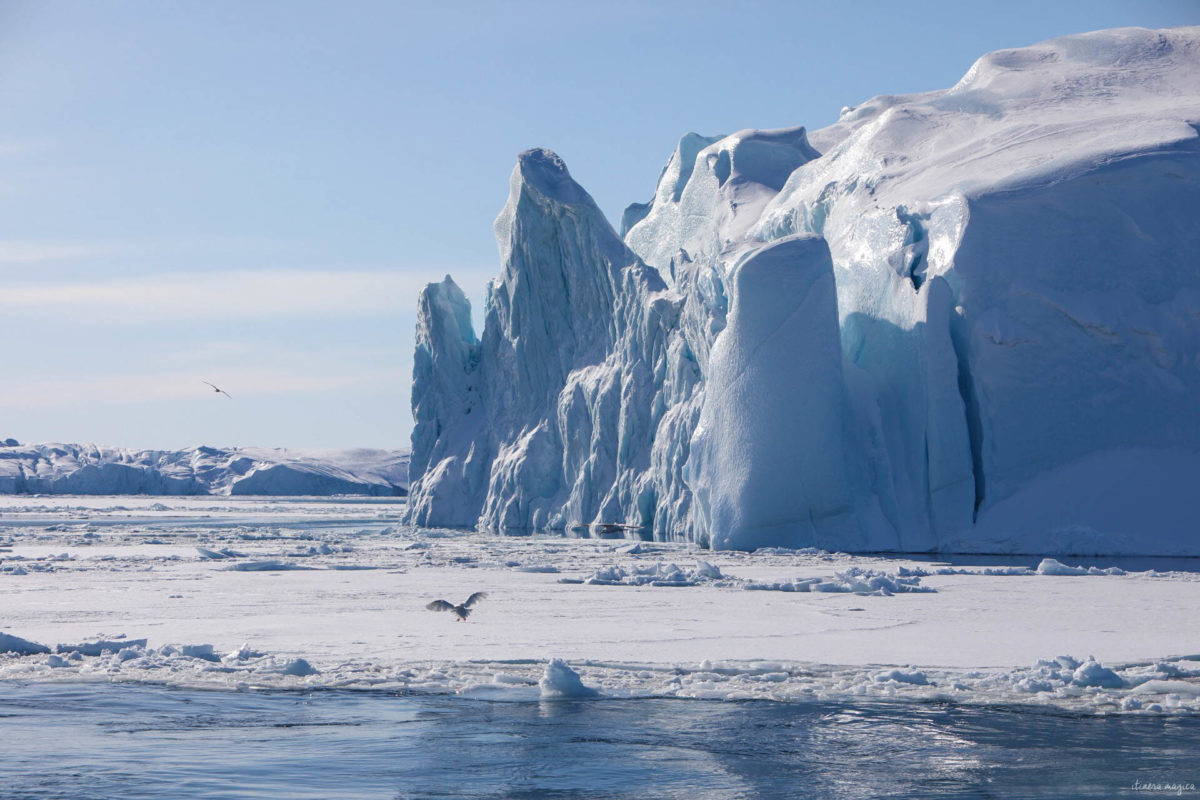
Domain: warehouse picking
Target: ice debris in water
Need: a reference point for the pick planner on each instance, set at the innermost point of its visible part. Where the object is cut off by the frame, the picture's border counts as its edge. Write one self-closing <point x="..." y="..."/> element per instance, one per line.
<point x="101" y="646"/>
<point x="243" y="653"/>
<point x="1163" y="687"/>
<point x="913" y="677"/>
<point x="22" y="647"/>
<point x="217" y="555"/>
<point x="268" y="565"/>
<point x="1094" y="674"/>
<point x="561" y="682"/>
<point x="1050" y="566"/>
<point x="659" y="574"/>
<point x="201" y="651"/>
<point x="299" y="667"/>
<point x="921" y="572"/>
<point x="1057" y="674"/>
<point x="854" y="579"/>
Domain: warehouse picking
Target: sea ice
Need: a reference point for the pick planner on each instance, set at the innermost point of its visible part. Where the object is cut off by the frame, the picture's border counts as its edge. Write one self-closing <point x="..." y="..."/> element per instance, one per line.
<point x="1050" y="566"/>
<point x="855" y="579"/>
<point x="706" y="638"/>
<point x="101" y="646"/>
<point x="1094" y="674"/>
<point x="22" y="647"/>
<point x="560" y="682"/>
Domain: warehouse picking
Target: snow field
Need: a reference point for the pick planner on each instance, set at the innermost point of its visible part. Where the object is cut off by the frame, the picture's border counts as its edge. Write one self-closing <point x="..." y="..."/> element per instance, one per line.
<point x="340" y="603"/>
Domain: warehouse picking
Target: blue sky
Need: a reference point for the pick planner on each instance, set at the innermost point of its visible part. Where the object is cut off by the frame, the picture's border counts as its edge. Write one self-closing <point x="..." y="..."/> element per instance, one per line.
<point x="253" y="193"/>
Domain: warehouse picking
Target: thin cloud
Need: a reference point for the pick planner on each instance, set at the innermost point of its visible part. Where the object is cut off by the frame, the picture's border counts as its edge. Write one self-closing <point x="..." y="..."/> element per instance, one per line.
<point x="34" y="252"/>
<point x="231" y="294"/>
<point x="152" y="387"/>
<point x="10" y="148"/>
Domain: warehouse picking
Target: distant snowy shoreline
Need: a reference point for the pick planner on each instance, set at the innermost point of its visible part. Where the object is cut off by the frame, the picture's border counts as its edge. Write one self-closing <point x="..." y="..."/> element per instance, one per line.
<point x="87" y="469"/>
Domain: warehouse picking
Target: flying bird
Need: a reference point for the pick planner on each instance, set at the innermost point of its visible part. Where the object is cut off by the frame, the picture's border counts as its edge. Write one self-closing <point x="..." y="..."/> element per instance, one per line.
<point x="461" y="612"/>
<point x="219" y="391"/>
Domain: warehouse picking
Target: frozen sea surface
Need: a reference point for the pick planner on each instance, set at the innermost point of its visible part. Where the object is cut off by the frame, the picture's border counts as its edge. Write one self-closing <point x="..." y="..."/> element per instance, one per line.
<point x="319" y="593"/>
<point x="111" y="740"/>
<point x="227" y="648"/>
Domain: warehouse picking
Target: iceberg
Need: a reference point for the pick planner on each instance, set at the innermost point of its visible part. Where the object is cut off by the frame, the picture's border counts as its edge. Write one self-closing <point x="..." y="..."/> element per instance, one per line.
<point x="55" y="468"/>
<point x="961" y="320"/>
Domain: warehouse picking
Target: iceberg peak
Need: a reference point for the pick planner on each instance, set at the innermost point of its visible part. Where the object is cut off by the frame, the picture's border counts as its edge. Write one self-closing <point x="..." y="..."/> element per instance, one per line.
<point x="544" y="171"/>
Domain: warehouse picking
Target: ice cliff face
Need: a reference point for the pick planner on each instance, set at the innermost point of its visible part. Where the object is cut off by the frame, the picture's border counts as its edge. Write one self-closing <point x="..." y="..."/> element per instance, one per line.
<point x="546" y="420"/>
<point x="87" y="469"/>
<point x="960" y="320"/>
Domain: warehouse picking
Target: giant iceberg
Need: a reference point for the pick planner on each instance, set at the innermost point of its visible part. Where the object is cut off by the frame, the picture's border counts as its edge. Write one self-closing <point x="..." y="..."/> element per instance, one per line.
<point x="963" y="320"/>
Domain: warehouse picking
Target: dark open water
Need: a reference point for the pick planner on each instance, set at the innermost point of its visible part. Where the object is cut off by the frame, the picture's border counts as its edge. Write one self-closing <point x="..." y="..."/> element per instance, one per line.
<point x="122" y="741"/>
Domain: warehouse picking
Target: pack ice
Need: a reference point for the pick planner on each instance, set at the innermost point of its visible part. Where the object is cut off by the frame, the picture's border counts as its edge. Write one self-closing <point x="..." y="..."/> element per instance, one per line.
<point x="963" y="320"/>
<point x="55" y="468"/>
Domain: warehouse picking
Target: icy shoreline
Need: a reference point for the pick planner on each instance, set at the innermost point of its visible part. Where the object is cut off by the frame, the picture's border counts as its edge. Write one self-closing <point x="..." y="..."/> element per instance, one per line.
<point x="1168" y="686"/>
<point x="86" y="469"/>
<point x="306" y="594"/>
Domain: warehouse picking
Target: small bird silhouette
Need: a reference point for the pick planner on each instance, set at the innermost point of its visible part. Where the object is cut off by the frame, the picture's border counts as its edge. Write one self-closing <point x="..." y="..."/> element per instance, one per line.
<point x="461" y="612"/>
<point x="219" y="391"/>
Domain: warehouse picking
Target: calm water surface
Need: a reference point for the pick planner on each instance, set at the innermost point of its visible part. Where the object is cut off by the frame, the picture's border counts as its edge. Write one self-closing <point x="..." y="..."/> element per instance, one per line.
<point x="109" y="741"/>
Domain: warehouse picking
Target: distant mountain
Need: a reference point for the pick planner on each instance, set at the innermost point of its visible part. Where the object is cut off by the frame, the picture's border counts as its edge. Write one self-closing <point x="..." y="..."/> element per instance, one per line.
<point x="55" y="468"/>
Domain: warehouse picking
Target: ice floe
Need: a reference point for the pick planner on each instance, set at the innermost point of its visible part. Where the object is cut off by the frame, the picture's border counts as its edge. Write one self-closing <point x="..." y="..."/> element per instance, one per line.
<point x="136" y="600"/>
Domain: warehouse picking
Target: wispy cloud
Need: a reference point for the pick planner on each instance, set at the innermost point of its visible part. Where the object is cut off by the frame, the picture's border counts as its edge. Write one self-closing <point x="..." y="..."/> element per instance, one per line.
<point x="150" y="387"/>
<point x="230" y="294"/>
<point x="10" y="148"/>
<point x="35" y="252"/>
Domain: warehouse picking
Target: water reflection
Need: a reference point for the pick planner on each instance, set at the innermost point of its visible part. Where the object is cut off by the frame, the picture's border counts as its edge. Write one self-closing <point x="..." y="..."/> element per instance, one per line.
<point x="146" y="742"/>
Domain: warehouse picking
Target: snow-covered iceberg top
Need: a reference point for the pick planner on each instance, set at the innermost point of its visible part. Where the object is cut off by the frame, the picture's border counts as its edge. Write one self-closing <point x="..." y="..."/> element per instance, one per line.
<point x="963" y="320"/>
<point x="89" y="469"/>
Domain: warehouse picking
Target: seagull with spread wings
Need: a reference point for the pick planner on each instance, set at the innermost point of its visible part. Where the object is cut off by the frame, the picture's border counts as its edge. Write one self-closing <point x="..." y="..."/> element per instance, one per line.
<point x="461" y="612"/>
<point x="219" y="390"/>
